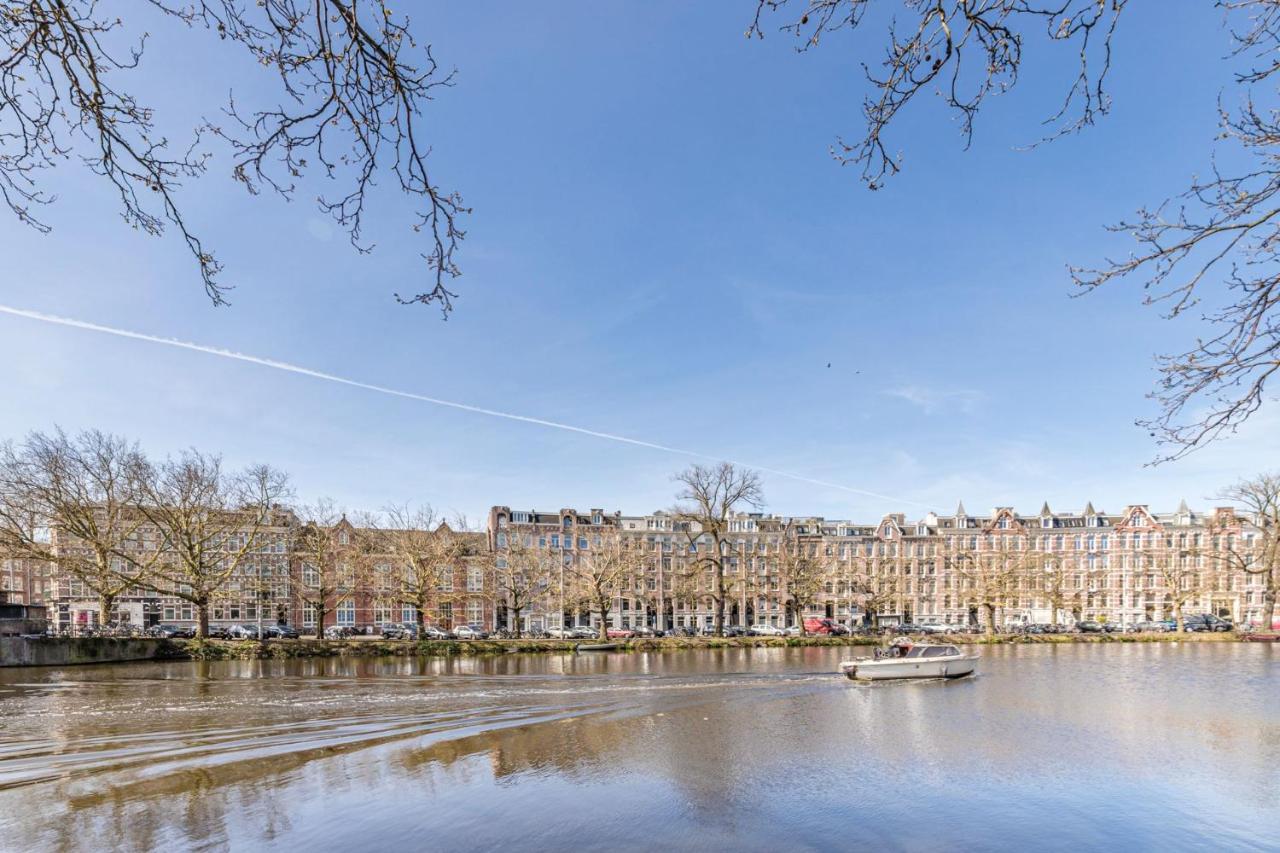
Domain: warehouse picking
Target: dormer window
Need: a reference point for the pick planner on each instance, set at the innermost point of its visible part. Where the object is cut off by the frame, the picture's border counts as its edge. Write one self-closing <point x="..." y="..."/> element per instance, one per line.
<point x="343" y="539"/>
<point x="1046" y="522"/>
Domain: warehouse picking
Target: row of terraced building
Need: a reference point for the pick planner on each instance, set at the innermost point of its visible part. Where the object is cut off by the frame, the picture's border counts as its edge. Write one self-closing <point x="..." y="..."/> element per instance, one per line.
<point x="958" y="569"/>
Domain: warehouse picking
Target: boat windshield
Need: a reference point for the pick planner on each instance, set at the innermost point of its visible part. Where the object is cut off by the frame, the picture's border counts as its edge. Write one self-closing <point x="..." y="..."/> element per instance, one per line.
<point x="938" y="651"/>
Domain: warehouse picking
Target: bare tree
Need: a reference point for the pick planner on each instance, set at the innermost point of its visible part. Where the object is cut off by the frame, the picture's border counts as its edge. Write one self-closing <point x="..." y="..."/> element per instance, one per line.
<point x="1261" y="558"/>
<point x="601" y="574"/>
<point x="709" y="495"/>
<point x="1216" y="243"/>
<point x="962" y="50"/>
<point x="1182" y="577"/>
<point x="875" y="584"/>
<point x="72" y="502"/>
<point x="1054" y="577"/>
<point x="988" y="578"/>
<point x="333" y="560"/>
<point x="801" y="570"/>
<point x="212" y="525"/>
<point x="524" y="575"/>
<point x="424" y="552"/>
<point x="353" y="84"/>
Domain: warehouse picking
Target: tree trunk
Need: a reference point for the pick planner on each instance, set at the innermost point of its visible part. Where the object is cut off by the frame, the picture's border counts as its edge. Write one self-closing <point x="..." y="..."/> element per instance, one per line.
<point x="420" y="617"/>
<point x="604" y="608"/>
<point x="202" y="619"/>
<point x="720" y="599"/>
<point x="106" y="602"/>
<point x="516" y="612"/>
<point x="1177" y="617"/>
<point x="1269" y="603"/>
<point x="991" y="618"/>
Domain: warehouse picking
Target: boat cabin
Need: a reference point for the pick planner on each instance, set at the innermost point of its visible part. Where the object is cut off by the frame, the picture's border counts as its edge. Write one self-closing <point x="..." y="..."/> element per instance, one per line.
<point x="931" y="651"/>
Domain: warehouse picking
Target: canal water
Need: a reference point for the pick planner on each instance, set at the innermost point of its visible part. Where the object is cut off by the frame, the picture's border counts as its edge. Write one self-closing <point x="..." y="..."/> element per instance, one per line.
<point x="1132" y="747"/>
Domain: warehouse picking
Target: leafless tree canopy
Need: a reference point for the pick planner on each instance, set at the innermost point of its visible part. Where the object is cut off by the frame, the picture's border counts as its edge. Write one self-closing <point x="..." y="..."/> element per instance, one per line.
<point x="1260" y="496"/>
<point x="211" y="521"/>
<point x="353" y="85"/>
<point x="73" y="500"/>
<point x="1210" y="248"/>
<point x="964" y="50"/>
<point x="708" y="495"/>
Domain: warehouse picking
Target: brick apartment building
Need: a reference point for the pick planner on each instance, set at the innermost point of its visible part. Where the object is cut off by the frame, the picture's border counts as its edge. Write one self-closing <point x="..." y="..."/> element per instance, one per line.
<point x="956" y="569"/>
<point x="959" y="569"/>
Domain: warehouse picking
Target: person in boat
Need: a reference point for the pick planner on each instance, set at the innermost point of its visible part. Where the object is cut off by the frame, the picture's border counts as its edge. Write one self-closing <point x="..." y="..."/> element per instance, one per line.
<point x="900" y="647"/>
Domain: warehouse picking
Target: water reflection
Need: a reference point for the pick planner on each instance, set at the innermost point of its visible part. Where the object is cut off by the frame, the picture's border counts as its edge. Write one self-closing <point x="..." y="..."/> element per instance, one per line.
<point x="1051" y="746"/>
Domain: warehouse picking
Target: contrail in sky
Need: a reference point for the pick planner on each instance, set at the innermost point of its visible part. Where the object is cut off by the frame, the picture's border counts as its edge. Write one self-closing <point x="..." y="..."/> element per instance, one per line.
<point x="409" y="395"/>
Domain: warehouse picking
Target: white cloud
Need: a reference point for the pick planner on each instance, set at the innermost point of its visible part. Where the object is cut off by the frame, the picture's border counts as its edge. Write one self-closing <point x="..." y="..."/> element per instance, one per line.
<point x="931" y="400"/>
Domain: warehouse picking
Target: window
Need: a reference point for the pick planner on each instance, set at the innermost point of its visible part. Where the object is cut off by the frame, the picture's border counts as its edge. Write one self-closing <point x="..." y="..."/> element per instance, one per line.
<point x="475" y="611"/>
<point x="343" y="539"/>
<point x="502" y="540"/>
<point x="309" y="615"/>
<point x="582" y="543"/>
<point x="408" y="613"/>
<point x="310" y="575"/>
<point x="475" y="580"/>
<point x="347" y="613"/>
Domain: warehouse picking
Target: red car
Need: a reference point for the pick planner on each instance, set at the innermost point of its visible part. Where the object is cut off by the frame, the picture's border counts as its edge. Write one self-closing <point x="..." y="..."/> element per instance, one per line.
<point x="814" y="625"/>
<point x="619" y="633"/>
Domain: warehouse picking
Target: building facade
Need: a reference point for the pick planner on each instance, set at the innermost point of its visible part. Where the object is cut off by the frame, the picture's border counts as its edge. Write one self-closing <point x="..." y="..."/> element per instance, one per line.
<point x="1001" y="568"/>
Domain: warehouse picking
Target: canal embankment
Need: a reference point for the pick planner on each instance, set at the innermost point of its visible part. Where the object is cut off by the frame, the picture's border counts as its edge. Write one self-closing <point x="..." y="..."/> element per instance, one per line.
<point x="69" y="651"/>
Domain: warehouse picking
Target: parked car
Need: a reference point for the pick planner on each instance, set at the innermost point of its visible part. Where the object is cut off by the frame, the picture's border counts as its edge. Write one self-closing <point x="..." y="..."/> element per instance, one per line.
<point x="619" y="633"/>
<point x="584" y="632"/>
<point x="764" y="630"/>
<point x="930" y="629"/>
<point x="1088" y="626"/>
<point x="643" y="631"/>
<point x="819" y="625"/>
<point x="280" y="632"/>
<point x="243" y="632"/>
<point x="217" y="632"/>
<point x="469" y="632"/>
<point x="400" y="631"/>
<point x="1207" y="622"/>
<point x="791" y="631"/>
<point x="1112" y="627"/>
<point x="431" y="632"/>
<point x="561" y="633"/>
<point x="171" y="631"/>
<point x="1148" y="625"/>
<point x="735" y="631"/>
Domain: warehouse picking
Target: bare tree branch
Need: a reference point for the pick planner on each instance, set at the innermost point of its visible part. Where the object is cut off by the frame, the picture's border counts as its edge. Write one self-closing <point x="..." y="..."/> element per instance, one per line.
<point x="352" y="108"/>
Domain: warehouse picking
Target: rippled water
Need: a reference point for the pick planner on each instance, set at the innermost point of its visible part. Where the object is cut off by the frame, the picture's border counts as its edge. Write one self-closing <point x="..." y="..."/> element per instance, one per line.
<point x="1175" y="746"/>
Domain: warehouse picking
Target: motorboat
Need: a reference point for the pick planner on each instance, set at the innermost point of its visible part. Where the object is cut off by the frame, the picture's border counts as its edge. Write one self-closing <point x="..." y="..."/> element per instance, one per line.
<point x="597" y="647"/>
<point x="905" y="659"/>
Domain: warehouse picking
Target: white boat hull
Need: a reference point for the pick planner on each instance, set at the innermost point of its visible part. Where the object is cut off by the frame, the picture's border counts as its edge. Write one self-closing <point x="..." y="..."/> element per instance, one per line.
<point x="884" y="669"/>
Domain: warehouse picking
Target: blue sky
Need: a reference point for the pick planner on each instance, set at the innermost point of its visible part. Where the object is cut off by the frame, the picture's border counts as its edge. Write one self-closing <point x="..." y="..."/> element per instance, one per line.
<point x="661" y="248"/>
